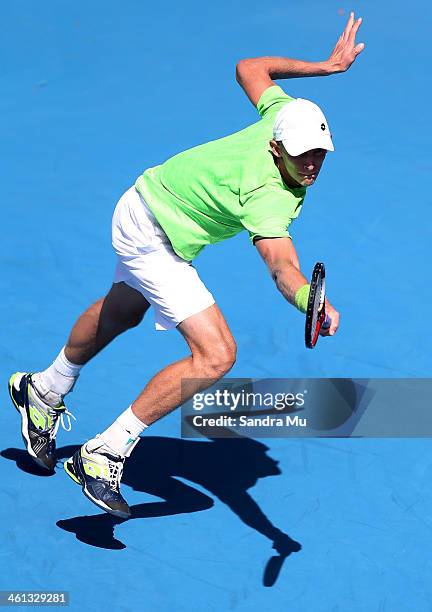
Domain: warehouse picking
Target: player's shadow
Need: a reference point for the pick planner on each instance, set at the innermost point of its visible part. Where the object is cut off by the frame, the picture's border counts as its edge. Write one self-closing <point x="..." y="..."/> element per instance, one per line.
<point x="24" y="462"/>
<point x="226" y="468"/>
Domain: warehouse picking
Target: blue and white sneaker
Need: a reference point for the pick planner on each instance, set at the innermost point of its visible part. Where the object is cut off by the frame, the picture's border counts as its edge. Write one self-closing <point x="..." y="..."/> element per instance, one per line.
<point x="39" y="421"/>
<point x="98" y="470"/>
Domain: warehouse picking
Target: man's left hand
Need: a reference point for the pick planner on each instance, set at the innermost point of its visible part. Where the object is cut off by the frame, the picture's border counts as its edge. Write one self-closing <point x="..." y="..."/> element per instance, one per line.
<point x="346" y="50"/>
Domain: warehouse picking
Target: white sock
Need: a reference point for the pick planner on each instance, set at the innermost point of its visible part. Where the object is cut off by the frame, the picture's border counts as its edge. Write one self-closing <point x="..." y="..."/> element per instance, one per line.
<point x="123" y="435"/>
<point x="56" y="381"/>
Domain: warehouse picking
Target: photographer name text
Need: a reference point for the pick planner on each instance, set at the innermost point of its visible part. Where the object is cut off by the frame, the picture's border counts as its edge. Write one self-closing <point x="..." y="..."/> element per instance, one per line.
<point x="249" y="421"/>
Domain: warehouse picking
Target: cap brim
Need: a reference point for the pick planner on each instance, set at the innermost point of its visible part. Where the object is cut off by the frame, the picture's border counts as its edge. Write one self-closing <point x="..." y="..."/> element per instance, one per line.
<point x="302" y="146"/>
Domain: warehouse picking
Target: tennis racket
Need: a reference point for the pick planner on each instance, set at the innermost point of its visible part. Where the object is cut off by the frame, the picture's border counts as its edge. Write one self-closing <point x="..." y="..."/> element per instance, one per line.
<point x="316" y="318"/>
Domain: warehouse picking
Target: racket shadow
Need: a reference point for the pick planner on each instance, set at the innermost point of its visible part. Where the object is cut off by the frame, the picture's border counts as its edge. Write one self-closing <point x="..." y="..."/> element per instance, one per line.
<point x="273" y="569"/>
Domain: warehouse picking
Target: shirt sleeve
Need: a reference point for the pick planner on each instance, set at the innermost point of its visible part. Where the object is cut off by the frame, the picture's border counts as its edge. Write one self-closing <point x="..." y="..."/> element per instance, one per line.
<point x="268" y="212"/>
<point x="271" y="101"/>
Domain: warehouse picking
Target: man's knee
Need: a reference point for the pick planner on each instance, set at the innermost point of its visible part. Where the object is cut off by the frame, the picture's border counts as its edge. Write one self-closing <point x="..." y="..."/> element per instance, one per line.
<point x="211" y="342"/>
<point x="219" y="359"/>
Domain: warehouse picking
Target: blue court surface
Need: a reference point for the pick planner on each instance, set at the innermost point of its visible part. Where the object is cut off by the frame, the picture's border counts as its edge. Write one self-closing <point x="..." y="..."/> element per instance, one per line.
<point x="92" y="94"/>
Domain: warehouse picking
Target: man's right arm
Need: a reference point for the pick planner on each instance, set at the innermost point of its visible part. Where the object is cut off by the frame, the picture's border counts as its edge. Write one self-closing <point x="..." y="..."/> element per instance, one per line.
<point x="255" y="75"/>
<point x="282" y="262"/>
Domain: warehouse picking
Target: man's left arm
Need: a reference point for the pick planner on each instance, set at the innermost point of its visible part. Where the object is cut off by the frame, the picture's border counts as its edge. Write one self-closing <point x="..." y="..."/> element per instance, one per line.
<point x="282" y="262"/>
<point x="255" y="75"/>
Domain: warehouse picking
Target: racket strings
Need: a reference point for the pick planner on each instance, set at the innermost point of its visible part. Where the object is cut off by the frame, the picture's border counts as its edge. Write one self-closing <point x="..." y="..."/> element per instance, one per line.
<point x="318" y="304"/>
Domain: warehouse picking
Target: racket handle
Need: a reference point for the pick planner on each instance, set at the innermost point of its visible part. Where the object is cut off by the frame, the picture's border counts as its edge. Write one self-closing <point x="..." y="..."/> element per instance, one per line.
<point x="327" y="323"/>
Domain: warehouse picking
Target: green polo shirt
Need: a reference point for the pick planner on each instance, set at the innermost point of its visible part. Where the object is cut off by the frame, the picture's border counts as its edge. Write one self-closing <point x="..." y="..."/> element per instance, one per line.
<point x="218" y="189"/>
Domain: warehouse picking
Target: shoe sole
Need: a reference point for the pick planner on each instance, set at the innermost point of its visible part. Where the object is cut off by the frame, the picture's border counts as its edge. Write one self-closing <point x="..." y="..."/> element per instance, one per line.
<point x="69" y="473"/>
<point x="24" y="424"/>
<point x="84" y="489"/>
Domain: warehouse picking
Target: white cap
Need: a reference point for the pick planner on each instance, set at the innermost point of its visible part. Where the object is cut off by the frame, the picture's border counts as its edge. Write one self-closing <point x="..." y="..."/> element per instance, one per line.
<point x="302" y="126"/>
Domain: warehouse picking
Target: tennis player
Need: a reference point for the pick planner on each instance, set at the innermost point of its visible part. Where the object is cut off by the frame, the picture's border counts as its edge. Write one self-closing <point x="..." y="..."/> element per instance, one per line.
<point x="254" y="180"/>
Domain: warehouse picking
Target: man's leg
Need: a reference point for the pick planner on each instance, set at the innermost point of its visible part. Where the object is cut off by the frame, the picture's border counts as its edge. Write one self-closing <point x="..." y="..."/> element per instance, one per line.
<point x="121" y="309"/>
<point x="39" y="397"/>
<point x="213" y="353"/>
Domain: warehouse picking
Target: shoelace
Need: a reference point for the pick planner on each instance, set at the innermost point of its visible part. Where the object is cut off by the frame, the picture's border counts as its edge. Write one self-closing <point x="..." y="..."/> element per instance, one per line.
<point x="59" y="417"/>
<point x="116" y="471"/>
<point x="115" y="467"/>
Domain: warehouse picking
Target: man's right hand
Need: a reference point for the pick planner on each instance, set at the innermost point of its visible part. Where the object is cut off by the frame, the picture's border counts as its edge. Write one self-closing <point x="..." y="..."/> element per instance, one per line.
<point x="346" y="50"/>
<point x="333" y="314"/>
<point x="285" y="545"/>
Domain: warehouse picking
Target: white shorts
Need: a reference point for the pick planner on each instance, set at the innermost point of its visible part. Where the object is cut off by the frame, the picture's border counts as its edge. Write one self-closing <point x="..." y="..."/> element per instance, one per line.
<point x="148" y="263"/>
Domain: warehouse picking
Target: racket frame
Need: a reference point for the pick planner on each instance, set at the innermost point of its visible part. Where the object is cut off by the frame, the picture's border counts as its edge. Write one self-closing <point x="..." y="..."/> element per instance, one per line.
<point x="311" y="336"/>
